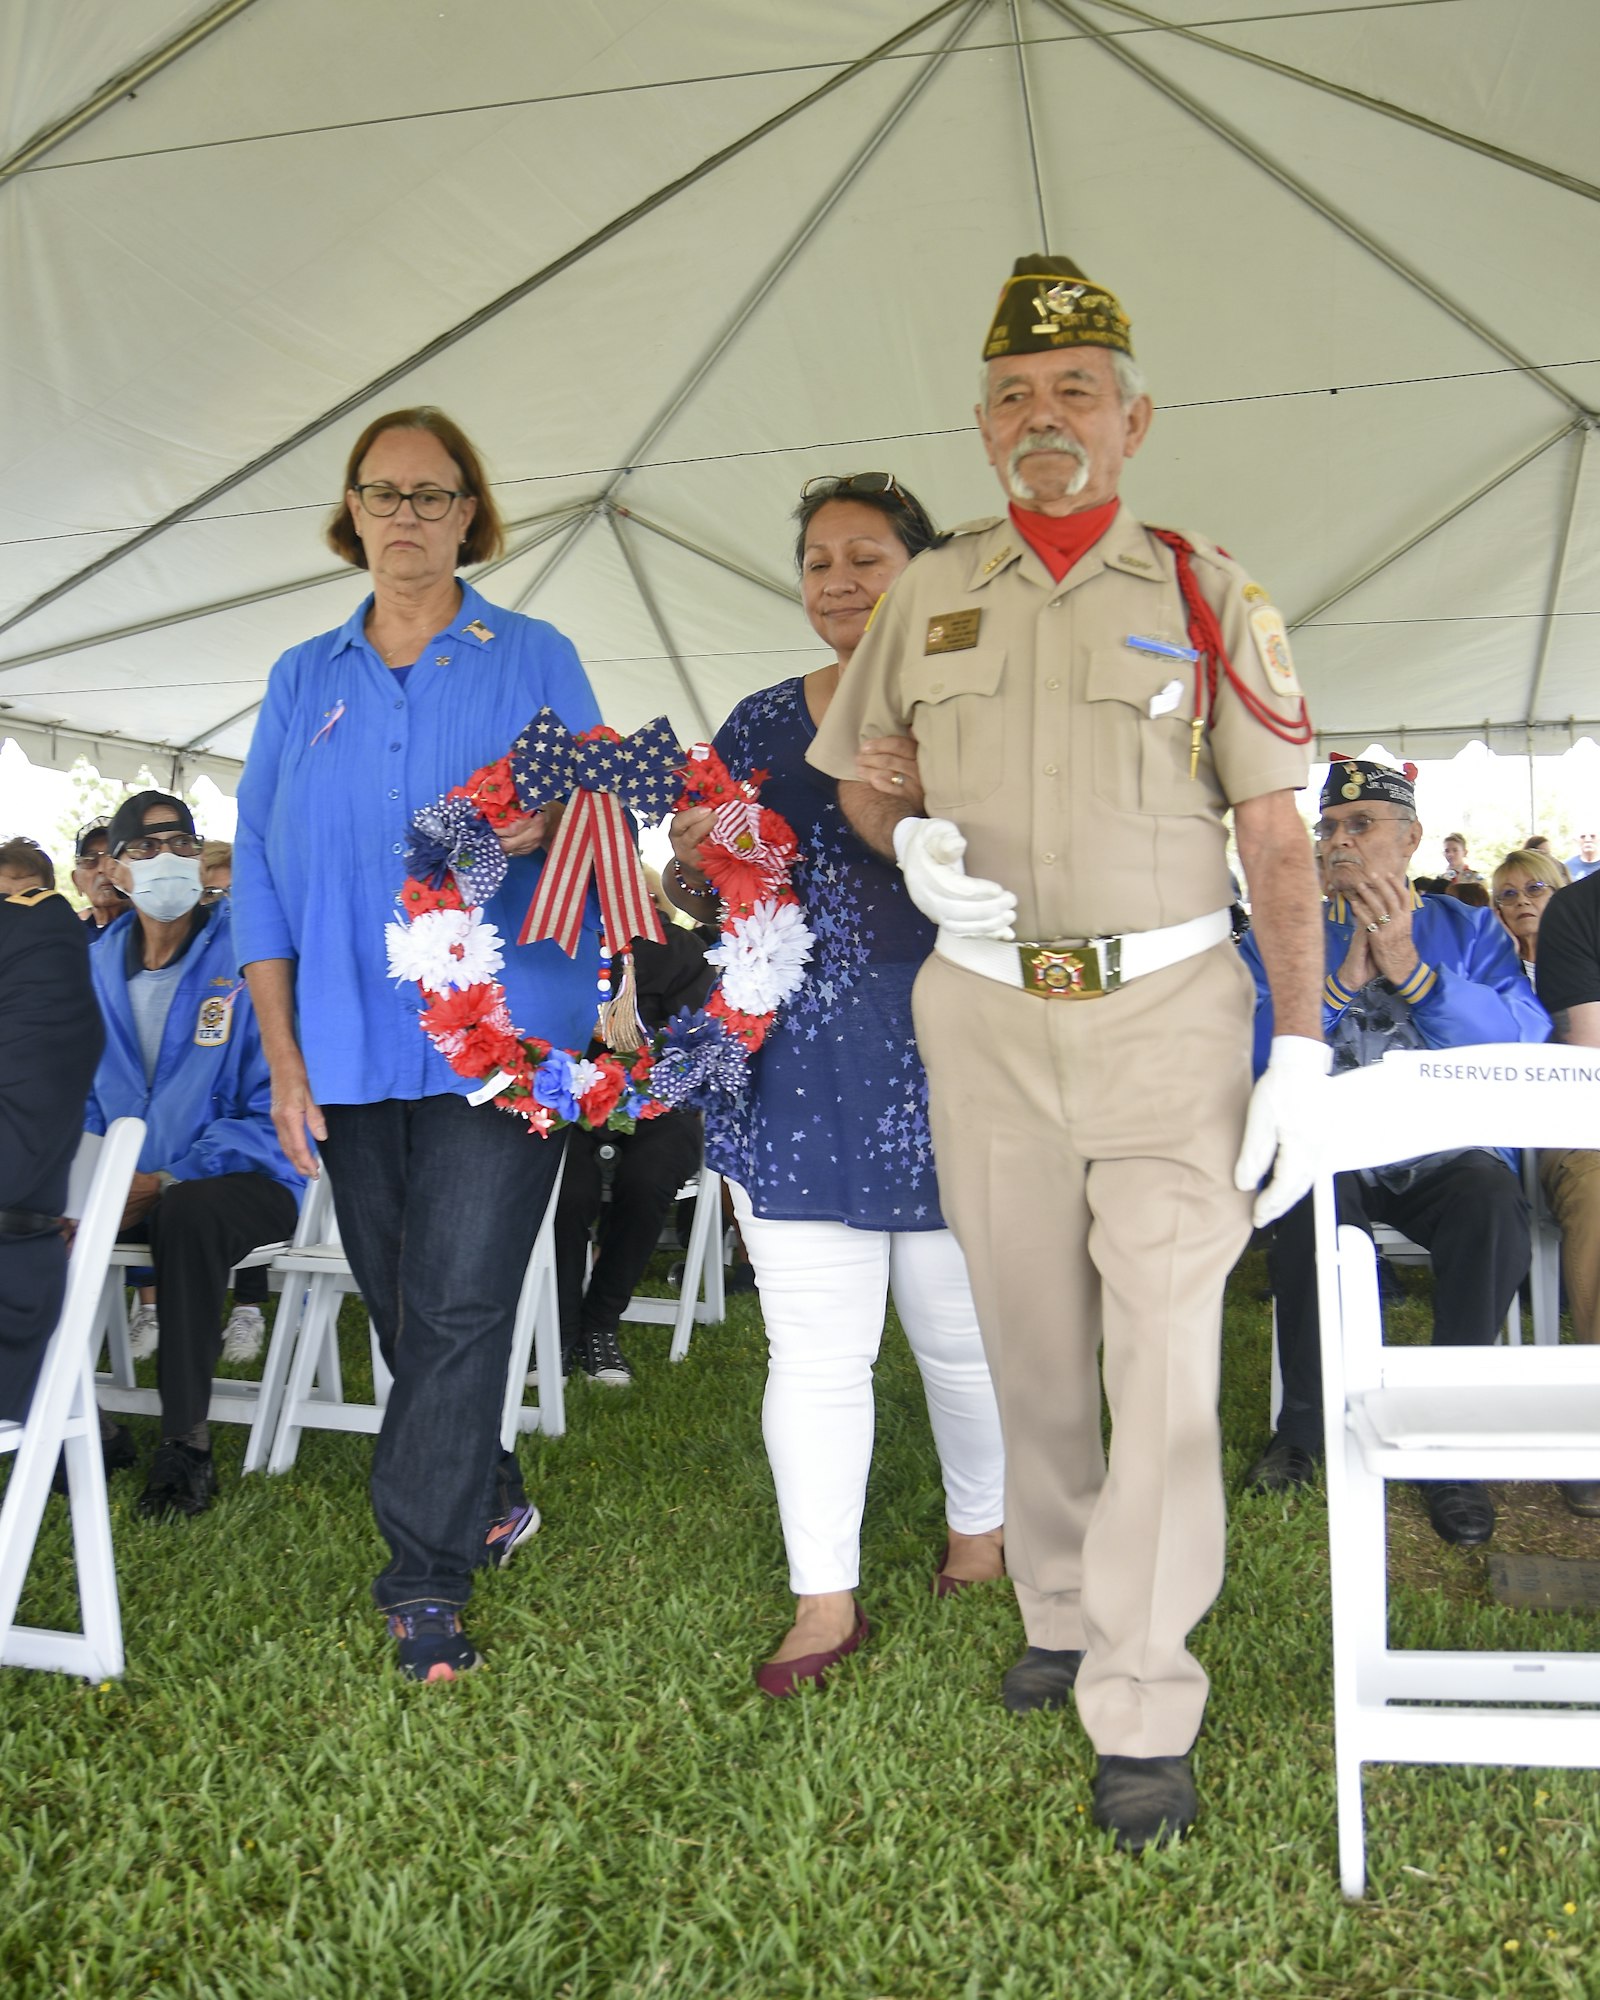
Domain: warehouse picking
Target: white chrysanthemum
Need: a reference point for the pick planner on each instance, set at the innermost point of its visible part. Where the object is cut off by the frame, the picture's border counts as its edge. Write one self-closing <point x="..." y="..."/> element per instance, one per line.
<point x="585" y="1075"/>
<point x="445" y="948"/>
<point x="763" y="957"/>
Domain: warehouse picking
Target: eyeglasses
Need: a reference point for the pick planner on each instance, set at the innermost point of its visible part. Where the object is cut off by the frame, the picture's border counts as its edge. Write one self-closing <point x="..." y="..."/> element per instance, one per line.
<point x="1358" y="825"/>
<point x="146" y="846"/>
<point x="837" y="485"/>
<point x="1513" y="892"/>
<point x="428" y="503"/>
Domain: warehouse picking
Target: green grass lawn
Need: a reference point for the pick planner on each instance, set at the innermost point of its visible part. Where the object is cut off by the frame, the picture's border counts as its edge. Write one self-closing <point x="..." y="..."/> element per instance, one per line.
<point x="264" y="1807"/>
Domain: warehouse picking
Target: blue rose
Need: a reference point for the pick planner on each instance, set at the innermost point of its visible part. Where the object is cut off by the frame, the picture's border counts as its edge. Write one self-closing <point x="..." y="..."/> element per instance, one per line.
<point x="552" y="1085"/>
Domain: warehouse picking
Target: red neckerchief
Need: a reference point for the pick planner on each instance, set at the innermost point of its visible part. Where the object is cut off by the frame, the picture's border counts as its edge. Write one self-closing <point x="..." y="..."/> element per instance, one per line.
<point x="1059" y="540"/>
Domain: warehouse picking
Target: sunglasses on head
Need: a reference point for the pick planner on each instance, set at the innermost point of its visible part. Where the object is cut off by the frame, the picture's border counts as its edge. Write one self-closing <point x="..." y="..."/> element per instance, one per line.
<point x="839" y="486"/>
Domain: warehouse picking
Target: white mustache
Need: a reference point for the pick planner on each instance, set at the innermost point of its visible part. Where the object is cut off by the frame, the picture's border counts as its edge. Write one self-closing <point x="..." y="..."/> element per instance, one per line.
<point x="1038" y="441"/>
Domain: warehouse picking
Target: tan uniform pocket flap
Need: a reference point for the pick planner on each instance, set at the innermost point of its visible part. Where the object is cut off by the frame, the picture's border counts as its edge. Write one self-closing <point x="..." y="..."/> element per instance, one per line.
<point x="942" y="676"/>
<point x="1144" y="681"/>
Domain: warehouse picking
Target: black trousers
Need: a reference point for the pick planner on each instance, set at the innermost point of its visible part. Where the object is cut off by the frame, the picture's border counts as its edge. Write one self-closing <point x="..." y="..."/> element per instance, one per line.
<point x="197" y="1231"/>
<point x="33" y="1282"/>
<point x="250" y="1287"/>
<point x="651" y="1164"/>
<point x="1470" y="1216"/>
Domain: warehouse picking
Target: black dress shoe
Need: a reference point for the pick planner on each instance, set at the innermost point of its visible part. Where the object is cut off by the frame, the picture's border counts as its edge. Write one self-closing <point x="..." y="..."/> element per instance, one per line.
<point x="182" y="1480"/>
<point x="117" y="1448"/>
<point x="1040" y="1679"/>
<point x="1460" y="1510"/>
<point x="1281" y="1467"/>
<point x="1144" y="1801"/>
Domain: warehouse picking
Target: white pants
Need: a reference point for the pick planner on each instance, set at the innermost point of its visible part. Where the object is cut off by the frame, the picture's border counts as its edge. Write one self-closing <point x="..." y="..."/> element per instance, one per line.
<point x="823" y="1289"/>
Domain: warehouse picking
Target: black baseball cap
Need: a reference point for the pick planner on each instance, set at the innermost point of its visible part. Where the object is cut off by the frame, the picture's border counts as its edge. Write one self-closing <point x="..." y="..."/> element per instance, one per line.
<point x="85" y="834"/>
<point x="127" y="822"/>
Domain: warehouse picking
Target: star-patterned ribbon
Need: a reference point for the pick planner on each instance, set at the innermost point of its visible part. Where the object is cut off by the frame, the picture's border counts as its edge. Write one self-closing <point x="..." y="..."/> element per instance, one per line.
<point x="643" y="770"/>
<point x="604" y="774"/>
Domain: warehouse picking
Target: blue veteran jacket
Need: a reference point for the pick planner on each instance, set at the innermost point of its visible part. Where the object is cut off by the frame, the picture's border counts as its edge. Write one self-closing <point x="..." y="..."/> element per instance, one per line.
<point x="1468" y="987"/>
<point x="209" y="1110"/>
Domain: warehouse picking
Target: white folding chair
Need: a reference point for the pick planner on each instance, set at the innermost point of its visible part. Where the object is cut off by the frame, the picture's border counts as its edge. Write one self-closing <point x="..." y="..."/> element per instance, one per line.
<point x="1443" y="1413"/>
<point x="702" y="1265"/>
<point x="1544" y="1274"/>
<point x="313" y="1396"/>
<point x="538" y="1332"/>
<point x="62" y="1419"/>
<point x="1544" y="1288"/>
<point x="234" y="1399"/>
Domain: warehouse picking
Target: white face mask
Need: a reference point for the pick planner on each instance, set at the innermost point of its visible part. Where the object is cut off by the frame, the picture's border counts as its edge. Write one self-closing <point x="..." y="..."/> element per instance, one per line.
<point x="165" y="887"/>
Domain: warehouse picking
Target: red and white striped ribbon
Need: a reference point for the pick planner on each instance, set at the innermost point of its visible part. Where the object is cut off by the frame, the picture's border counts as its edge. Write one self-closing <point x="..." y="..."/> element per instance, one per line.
<point x="592" y="840"/>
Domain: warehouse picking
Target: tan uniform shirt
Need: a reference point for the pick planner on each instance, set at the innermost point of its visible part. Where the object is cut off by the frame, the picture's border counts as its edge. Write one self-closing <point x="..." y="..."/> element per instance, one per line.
<point x="1061" y="751"/>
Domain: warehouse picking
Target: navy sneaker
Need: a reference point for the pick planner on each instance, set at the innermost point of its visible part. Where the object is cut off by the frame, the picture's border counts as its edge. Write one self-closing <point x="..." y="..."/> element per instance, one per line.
<point x="431" y="1643"/>
<point x="510" y="1532"/>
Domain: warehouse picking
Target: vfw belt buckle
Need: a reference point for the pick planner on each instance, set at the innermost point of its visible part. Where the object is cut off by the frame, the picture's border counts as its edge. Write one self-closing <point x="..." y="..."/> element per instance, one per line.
<point x="1061" y="974"/>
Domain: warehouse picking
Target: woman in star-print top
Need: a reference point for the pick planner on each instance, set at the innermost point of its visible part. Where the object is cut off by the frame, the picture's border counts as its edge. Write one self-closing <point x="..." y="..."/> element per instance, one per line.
<point x="828" y="1158"/>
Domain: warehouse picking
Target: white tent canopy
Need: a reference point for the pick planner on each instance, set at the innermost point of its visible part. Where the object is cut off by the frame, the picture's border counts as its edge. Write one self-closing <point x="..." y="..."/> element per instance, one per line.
<point x="665" y="260"/>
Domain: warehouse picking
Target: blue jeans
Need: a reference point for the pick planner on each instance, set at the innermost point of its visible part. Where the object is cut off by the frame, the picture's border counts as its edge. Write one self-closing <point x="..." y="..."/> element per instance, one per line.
<point x="438" y="1204"/>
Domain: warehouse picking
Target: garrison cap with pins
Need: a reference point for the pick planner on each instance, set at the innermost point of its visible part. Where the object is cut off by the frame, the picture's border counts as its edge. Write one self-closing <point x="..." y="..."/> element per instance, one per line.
<point x="1046" y="303"/>
<point x="1353" y="778"/>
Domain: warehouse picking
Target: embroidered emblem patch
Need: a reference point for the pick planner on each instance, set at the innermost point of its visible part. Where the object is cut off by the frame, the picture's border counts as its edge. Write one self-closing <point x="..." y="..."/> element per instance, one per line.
<point x="214" y="1024"/>
<point x="1272" y="643"/>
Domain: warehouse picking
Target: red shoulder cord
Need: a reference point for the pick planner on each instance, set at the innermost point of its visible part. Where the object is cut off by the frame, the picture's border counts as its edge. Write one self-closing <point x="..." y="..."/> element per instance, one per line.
<point x="1205" y="635"/>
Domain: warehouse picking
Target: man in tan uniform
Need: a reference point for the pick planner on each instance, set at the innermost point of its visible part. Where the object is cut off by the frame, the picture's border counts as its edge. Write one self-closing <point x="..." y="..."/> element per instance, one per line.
<point x="1089" y="697"/>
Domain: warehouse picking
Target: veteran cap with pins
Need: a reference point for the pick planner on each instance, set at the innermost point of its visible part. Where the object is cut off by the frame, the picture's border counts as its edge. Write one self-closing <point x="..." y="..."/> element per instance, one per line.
<point x="1353" y="778"/>
<point x="1047" y="302"/>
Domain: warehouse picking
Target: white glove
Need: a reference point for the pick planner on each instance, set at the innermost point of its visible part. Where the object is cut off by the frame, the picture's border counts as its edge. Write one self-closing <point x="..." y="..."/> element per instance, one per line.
<point x="1281" y="1128"/>
<point x="929" y="852"/>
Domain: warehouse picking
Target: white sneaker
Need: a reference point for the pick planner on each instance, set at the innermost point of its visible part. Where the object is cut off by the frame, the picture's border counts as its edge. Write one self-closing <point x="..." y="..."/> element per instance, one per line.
<point x="144" y="1333"/>
<point x="244" y="1334"/>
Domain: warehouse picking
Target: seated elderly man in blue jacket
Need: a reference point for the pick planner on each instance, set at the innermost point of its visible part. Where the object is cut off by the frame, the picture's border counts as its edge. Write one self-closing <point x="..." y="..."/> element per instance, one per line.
<point x="1404" y="971"/>
<point x="183" y="1052"/>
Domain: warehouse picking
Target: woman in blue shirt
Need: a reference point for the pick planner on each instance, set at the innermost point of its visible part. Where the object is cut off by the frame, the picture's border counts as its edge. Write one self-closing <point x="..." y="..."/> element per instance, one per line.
<point x="829" y="1159"/>
<point x="438" y="1201"/>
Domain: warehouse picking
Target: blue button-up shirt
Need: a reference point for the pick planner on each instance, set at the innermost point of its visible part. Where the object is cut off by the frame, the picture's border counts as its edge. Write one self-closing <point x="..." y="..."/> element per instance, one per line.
<point x="324" y="803"/>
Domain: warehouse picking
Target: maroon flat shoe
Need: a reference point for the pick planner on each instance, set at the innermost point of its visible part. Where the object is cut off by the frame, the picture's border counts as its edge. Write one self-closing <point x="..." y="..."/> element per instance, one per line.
<point x="945" y="1585"/>
<point x="785" y="1677"/>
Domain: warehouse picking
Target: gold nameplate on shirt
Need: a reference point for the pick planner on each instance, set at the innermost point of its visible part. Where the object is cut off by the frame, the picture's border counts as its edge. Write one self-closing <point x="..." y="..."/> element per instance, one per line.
<point x="953" y="632"/>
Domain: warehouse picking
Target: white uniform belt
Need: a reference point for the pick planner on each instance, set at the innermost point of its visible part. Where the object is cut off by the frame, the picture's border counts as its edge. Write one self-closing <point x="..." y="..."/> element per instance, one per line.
<point x="1084" y="968"/>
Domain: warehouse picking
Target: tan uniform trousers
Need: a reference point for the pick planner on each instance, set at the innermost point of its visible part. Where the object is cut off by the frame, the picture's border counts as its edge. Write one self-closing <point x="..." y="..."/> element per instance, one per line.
<point x="1085" y="1152"/>
<point x="1571" y="1184"/>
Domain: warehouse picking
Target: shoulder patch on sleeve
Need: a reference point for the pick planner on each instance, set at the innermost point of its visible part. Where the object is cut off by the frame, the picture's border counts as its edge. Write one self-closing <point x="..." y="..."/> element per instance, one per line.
<point x="1272" y="646"/>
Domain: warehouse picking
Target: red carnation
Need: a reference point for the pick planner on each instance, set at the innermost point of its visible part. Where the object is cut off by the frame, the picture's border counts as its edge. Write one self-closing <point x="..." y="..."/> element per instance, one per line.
<point x="493" y="791"/>
<point x="601" y="1098"/>
<point x="463" y="1008"/>
<point x="419" y="897"/>
<point x="751" y="1029"/>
